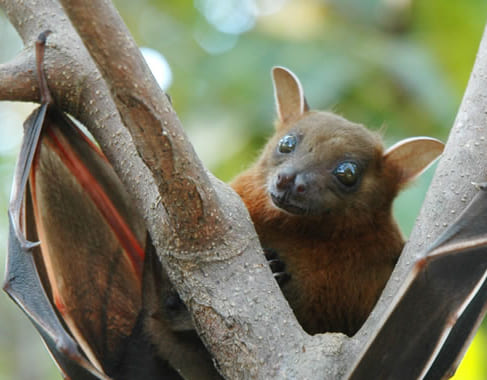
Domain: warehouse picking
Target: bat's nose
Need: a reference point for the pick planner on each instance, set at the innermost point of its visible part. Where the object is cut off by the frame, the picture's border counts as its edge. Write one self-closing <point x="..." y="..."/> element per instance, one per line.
<point x="285" y="180"/>
<point x="291" y="181"/>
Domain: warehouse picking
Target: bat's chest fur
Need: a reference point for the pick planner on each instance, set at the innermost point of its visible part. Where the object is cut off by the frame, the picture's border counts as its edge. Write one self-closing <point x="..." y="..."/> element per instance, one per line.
<point x="334" y="284"/>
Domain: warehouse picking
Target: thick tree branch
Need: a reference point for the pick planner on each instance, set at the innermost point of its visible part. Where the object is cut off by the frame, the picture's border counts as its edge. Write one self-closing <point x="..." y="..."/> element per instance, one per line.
<point x="462" y="163"/>
<point x="18" y="81"/>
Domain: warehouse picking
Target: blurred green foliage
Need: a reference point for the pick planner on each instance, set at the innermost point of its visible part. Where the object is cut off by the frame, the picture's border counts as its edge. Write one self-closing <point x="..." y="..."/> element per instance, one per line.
<point x="396" y="65"/>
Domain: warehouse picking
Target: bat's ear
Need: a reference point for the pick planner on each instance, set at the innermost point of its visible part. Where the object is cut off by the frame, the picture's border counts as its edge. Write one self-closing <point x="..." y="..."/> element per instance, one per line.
<point x="288" y="93"/>
<point x="410" y="157"/>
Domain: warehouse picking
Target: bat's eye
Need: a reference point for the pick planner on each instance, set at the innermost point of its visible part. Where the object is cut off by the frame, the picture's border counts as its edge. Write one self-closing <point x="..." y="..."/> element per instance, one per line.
<point x="347" y="173"/>
<point x="287" y="144"/>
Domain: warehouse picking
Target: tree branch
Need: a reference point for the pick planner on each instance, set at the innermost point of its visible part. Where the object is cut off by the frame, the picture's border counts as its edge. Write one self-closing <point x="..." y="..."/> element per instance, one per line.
<point x="18" y="81"/>
<point x="462" y="163"/>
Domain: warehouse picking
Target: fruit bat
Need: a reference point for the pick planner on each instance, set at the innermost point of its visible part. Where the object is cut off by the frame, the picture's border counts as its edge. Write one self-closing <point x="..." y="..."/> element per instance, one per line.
<point x="89" y="285"/>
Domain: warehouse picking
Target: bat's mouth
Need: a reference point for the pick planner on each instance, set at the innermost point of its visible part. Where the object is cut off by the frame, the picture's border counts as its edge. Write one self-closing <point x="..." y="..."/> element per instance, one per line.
<point x="286" y="204"/>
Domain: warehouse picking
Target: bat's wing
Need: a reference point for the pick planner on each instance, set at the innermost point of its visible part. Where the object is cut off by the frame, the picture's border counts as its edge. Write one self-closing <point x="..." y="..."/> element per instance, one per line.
<point x="23" y="284"/>
<point x="81" y="287"/>
<point x="426" y="331"/>
<point x="23" y="278"/>
<point x="90" y="241"/>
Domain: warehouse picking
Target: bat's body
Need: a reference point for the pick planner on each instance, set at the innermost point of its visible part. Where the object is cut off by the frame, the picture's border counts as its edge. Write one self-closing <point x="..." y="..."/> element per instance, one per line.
<point x="97" y="293"/>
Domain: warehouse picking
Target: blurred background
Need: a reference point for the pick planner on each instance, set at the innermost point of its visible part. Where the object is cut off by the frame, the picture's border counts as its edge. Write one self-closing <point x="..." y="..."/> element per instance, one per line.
<point x="396" y="65"/>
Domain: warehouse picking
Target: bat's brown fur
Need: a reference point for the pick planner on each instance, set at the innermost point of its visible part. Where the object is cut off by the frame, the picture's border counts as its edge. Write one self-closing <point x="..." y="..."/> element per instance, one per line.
<point x="340" y="246"/>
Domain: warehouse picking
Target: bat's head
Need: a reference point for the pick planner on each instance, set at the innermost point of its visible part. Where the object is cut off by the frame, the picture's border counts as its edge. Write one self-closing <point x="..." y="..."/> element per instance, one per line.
<point x="320" y="164"/>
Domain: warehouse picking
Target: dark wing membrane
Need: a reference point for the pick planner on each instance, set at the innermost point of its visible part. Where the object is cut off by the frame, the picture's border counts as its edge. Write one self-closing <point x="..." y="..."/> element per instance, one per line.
<point x="438" y="309"/>
<point x="92" y="256"/>
<point x="22" y="280"/>
<point x="460" y="336"/>
<point x="23" y="285"/>
<point x="33" y="129"/>
<point x="90" y="261"/>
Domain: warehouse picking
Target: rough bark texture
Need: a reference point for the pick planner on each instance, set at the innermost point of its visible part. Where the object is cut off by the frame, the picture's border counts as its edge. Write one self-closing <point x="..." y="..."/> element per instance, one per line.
<point x="201" y="229"/>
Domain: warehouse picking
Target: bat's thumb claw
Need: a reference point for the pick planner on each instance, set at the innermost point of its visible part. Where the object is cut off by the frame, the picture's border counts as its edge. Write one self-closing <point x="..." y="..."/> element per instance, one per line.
<point x="28" y="245"/>
<point x="43" y="36"/>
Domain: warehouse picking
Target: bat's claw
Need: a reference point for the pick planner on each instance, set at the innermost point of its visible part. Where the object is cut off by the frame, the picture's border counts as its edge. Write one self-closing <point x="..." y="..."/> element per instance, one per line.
<point x="24" y="243"/>
<point x="28" y="245"/>
<point x="174" y="303"/>
<point x="278" y="267"/>
<point x="282" y="277"/>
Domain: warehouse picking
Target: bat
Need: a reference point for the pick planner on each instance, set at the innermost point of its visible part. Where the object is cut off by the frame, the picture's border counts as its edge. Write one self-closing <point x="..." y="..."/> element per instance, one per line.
<point x="320" y="195"/>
